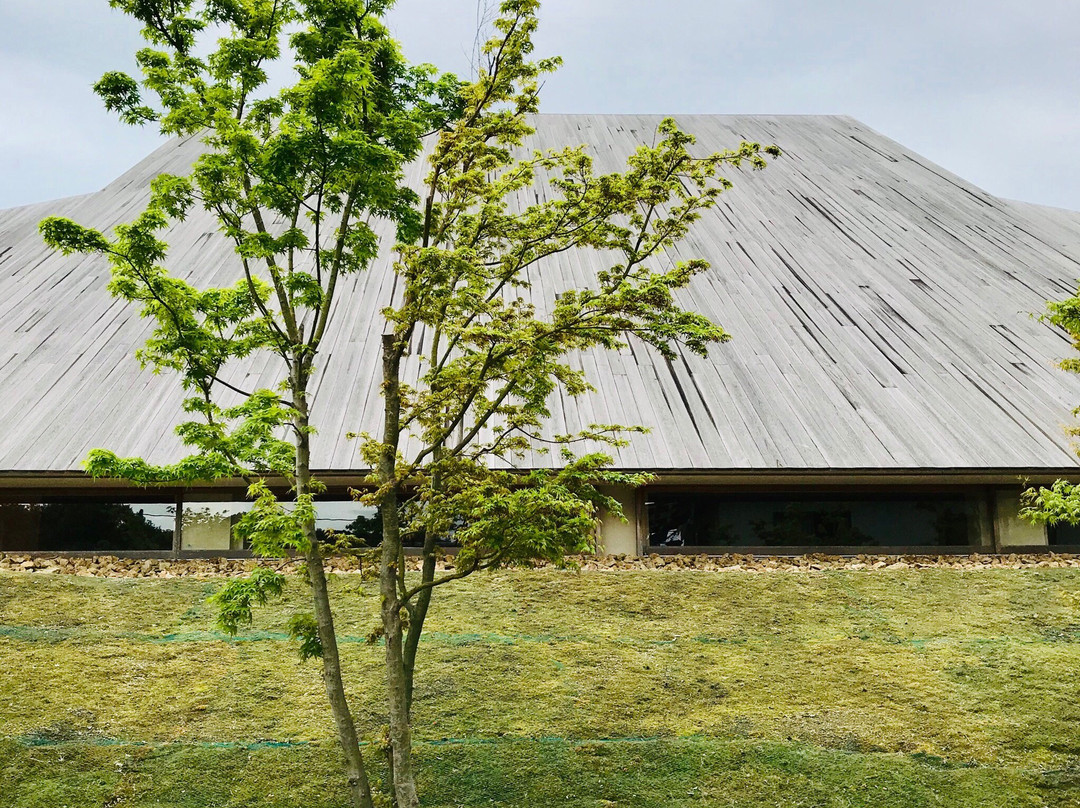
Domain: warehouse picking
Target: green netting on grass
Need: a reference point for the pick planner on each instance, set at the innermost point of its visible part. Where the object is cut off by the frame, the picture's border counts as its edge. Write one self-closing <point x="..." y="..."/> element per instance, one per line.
<point x="842" y="690"/>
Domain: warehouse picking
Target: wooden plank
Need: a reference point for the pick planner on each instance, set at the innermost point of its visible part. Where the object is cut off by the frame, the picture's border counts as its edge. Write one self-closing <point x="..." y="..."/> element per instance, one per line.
<point x="878" y="303"/>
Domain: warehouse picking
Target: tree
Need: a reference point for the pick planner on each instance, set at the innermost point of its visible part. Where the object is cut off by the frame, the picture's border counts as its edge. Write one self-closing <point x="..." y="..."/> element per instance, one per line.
<point x="292" y="178"/>
<point x="493" y="358"/>
<point x="1060" y="503"/>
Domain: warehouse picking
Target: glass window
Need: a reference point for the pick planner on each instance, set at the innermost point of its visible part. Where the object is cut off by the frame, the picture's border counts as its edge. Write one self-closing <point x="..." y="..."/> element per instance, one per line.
<point x="73" y="525"/>
<point x="210" y="525"/>
<point x="361" y="521"/>
<point x="1064" y="535"/>
<point x="811" y="520"/>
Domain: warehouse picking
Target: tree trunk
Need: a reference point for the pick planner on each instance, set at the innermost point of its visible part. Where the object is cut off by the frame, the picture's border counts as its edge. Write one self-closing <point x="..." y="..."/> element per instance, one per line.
<point x="404" y="780"/>
<point x="418" y="611"/>
<point x="359" y="789"/>
<point x="417" y="615"/>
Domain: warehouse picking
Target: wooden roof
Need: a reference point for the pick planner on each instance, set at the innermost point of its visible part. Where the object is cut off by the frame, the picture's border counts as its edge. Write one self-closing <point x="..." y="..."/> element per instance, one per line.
<point x="880" y="307"/>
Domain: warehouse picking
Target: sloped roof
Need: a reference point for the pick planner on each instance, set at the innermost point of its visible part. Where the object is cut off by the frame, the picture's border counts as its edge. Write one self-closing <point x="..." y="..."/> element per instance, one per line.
<point x="880" y="308"/>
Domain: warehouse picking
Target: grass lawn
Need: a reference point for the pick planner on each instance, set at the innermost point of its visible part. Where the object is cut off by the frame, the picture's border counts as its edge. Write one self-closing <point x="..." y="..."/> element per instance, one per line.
<point x="893" y="689"/>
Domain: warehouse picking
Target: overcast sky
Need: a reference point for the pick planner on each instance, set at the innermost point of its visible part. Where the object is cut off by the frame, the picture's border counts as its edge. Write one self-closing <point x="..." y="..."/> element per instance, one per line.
<point x="987" y="88"/>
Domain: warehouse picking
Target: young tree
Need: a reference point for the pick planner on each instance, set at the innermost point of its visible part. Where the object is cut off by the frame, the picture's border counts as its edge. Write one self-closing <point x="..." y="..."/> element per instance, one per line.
<point x="294" y="178"/>
<point x="492" y="358"/>
<point x="1060" y="503"/>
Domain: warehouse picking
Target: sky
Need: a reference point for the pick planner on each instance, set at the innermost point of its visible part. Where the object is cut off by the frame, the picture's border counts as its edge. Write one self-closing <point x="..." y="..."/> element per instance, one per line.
<point x="989" y="89"/>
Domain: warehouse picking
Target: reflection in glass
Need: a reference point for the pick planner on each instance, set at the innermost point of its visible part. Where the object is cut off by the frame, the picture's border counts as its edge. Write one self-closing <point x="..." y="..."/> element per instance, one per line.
<point x="87" y="526"/>
<point x="211" y="525"/>
<point x="1064" y="535"/>
<point x="359" y="521"/>
<point x="799" y="521"/>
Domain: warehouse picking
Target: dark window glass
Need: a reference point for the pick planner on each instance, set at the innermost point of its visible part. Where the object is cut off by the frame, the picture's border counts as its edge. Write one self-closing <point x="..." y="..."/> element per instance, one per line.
<point x="1064" y="535"/>
<point x="364" y="522"/>
<point x="360" y="521"/>
<point x="87" y="525"/>
<point x="800" y="521"/>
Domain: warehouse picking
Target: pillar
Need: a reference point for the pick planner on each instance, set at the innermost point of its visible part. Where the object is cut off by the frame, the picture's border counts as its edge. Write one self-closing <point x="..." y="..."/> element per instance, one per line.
<point x="619" y="536"/>
<point x="1012" y="532"/>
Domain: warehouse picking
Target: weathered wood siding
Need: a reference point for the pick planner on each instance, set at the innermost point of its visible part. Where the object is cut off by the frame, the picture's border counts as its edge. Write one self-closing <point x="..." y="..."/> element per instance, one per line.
<point x="880" y="307"/>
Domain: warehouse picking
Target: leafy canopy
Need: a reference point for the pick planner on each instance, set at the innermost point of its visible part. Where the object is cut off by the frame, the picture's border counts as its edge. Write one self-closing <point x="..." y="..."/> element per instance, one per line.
<point x="487" y="304"/>
<point x="1060" y="502"/>
<point x="294" y="178"/>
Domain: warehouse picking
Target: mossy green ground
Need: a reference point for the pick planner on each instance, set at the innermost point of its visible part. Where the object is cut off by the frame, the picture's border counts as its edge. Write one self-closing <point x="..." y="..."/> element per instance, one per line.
<point x="908" y="688"/>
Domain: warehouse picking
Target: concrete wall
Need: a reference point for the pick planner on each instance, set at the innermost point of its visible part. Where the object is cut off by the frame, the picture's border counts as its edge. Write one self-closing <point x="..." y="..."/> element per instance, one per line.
<point x="618" y="537"/>
<point x="1009" y="529"/>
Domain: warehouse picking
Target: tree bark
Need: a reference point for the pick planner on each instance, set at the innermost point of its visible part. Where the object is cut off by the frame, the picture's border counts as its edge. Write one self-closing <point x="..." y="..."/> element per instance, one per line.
<point x="419" y="609"/>
<point x="359" y="788"/>
<point x="403" y="778"/>
<point x="417" y="615"/>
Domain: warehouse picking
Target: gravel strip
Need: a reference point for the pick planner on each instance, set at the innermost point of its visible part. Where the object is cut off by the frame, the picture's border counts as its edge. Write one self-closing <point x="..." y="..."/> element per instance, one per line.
<point x="106" y="566"/>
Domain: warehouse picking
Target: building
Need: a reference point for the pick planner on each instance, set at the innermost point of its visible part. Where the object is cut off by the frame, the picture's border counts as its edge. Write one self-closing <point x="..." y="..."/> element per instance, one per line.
<point x="887" y="386"/>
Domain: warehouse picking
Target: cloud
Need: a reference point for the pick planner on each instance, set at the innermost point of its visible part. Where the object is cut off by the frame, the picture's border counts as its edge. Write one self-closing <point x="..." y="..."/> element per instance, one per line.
<point x="987" y="88"/>
<point x="56" y="139"/>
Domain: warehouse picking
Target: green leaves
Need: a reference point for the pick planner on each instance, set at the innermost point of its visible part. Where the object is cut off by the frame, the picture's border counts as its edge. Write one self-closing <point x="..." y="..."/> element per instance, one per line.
<point x="102" y="463"/>
<point x="293" y="178"/>
<point x="235" y="600"/>
<point x="167" y="22"/>
<point x="1058" y="504"/>
<point x="172" y="195"/>
<point x="497" y="222"/>
<point x="272" y="531"/>
<point x="304" y="629"/>
<point x="498" y="517"/>
<point x="121" y="94"/>
<point x="68" y="237"/>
